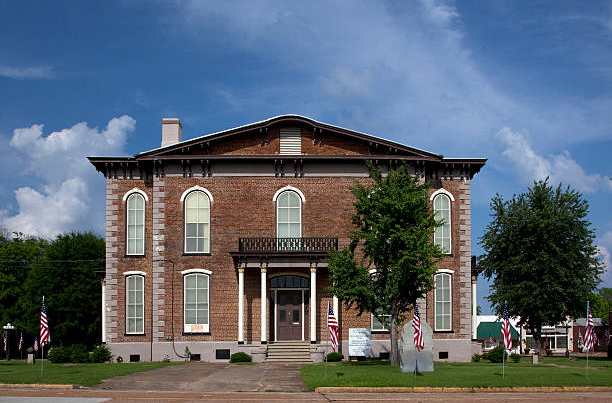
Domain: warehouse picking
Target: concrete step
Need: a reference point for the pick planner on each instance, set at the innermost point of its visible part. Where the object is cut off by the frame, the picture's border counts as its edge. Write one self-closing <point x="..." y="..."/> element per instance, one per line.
<point x="292" y="348"/>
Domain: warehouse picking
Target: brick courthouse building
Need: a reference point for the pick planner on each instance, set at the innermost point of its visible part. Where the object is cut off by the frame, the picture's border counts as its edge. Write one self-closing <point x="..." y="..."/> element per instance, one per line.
<point x="219" y="243"/>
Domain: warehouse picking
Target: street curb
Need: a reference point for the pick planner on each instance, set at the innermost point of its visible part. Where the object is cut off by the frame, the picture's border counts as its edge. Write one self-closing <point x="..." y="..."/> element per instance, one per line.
<point x="426" y="389"/>
<point x="37" y="386"/>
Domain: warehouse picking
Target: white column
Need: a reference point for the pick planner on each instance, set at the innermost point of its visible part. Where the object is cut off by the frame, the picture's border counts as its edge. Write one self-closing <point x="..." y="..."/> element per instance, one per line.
<point x="313" y="303"/>
<point x="241" y="304"/>
<point x="474" y="310"/>
<point x="264" y="298"/>
<point x="103" y="310"/>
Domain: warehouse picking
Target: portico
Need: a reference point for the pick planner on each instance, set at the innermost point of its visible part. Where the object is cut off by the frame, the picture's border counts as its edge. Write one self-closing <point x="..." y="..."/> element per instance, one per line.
<point x="288" y="300"/>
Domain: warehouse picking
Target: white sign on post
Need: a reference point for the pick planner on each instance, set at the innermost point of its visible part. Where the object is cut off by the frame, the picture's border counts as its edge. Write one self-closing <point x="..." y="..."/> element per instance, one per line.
<point x="360" y="342"/>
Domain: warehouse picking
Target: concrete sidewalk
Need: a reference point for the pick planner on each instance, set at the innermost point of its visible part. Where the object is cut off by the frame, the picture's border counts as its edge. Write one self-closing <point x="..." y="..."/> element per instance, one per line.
<point x="207" y="377"/>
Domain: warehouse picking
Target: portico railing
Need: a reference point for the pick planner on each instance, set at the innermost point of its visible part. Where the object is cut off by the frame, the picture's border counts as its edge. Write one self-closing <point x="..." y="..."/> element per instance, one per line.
<point x="287" y="245"/>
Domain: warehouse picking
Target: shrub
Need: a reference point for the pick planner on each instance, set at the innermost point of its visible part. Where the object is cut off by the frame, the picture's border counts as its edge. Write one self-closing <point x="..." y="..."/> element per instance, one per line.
<point x="495" y="356"/>
<point x="78" y="353"/>
<point x="101" y="353"/>
<point x="515" y="357"/>
<point x="476" y="358"/>
<point x="58" y="355"/>
<point x="240" y="357"/>
<point x="334" y="357"/>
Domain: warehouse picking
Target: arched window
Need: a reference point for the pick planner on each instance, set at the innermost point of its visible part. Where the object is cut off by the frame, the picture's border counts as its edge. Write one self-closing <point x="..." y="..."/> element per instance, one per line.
<point x="442" y="212"/>
<point x="135" y="224"/>
<point x="196" y="303"/>
<point x="134" y="304"/>
<point x="443" y="307"/>
<point x="289" y="215"/>
<point x="197" y="222"/>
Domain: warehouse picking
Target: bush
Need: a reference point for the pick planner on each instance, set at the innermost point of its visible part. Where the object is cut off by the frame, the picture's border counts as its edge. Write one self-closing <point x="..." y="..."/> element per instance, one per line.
<point x="476" y="358"/>
<point x="495" y="356"/>
<point x="240" y="357"/>
<point x="101" y="353"/>
<point x="515" y="357"/>
<point x="76" y="353"/>
<point x="58" y="355"/>
<point x="334" y="357"/>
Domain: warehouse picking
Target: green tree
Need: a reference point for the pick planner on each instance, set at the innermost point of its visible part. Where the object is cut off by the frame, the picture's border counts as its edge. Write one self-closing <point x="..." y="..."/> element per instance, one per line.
<point x="16" y="258"/>
<point x="601" y="303"/>
<point x="68" y="276"/>
<point x="540" y="253"/>
<point x="393" y="235"/>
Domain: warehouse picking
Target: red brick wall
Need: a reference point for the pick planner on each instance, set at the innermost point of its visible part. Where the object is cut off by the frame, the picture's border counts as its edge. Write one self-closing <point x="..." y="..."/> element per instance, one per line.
<point x="243" y="207"/>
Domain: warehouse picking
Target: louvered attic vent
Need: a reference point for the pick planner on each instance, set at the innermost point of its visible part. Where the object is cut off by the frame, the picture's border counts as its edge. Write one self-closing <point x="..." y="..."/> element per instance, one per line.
<point x="291" y="141"/>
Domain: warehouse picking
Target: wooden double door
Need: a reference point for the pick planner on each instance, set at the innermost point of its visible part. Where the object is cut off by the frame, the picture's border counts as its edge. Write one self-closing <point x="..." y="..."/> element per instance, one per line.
<point x="291" y="314"/>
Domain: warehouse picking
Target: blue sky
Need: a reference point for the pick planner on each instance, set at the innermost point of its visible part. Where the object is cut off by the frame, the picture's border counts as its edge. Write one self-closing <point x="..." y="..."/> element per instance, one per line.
<point x="526" y="84"/>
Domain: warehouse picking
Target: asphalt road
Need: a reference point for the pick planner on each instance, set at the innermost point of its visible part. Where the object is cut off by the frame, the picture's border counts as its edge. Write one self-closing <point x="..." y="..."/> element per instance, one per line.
<point x="92" y="395"/>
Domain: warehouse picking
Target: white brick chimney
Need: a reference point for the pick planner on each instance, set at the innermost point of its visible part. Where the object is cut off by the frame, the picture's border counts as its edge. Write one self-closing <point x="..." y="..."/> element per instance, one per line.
<point x="171" y="131"/>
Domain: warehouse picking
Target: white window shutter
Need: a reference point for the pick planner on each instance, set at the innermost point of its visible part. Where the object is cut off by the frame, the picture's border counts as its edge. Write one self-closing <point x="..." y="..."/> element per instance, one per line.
<point x="291" y="141"/>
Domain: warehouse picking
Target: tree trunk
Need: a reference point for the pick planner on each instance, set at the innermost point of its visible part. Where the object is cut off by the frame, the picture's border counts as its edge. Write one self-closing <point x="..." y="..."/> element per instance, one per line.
<point x="395" y="358"/>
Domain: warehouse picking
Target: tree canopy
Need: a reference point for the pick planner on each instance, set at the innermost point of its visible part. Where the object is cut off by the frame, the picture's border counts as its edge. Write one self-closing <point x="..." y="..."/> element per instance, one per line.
<point x="391" y="260"/>
<point x="540" y="254"/>
<point x="64" y="270"/>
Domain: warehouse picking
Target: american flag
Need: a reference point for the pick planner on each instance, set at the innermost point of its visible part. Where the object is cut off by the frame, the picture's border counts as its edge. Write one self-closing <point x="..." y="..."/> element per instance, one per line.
<point x="506" y="333"/>
<point x="332" y="325"/>
<point x="36" y="344"/>
<point x="5" y="341"/>
<point x="589" y="335"/>
<point x="44" y="325"/>
<point x="419" y="342"/>
<point x="21" y="341"/>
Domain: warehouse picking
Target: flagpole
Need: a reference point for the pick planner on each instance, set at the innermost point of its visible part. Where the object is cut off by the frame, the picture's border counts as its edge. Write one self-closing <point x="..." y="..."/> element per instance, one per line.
<point x="589" y="344"/>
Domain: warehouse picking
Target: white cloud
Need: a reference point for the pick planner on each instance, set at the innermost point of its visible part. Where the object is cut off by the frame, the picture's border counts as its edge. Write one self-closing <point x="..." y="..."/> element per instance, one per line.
<point x="605" y="246"/>
<point x="23" y="73"/>
<point x="71" y="190"/>
<point x="560" y="168"/>
<point x="403" y="70"/>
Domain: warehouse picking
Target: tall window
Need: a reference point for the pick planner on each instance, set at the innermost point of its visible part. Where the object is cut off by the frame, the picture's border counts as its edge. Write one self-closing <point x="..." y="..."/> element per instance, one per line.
<point x="197" y="222"/>
<point x="442" y="212"/>
<point x="196" y="303"/>
<point x="134" y="304"/>
<point x="135" y="224"/>
<point x="289" y="215"/>
<point x="443" y="302"/>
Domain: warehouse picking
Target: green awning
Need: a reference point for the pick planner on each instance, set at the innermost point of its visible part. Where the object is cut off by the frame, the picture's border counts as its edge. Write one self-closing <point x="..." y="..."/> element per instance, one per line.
<point x="488" y="330"/>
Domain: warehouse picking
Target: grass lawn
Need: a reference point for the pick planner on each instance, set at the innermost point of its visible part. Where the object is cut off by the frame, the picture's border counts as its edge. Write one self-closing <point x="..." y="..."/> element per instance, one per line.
<point x="552" y="371"/>
<point x="77" y="374"/>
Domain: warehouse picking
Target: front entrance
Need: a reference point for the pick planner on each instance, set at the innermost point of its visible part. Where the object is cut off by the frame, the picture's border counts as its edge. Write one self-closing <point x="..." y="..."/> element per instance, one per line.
<point x="290" y="314"/>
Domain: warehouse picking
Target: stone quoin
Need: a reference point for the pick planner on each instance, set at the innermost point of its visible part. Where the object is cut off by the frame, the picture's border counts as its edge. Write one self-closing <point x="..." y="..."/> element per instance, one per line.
<point x="219" y="243"/>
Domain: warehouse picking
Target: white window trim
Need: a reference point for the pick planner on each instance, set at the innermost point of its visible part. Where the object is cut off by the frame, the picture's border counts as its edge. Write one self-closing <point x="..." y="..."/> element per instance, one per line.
<point x="301" y="206"/>
<point x="443" y="192"/>
<point x="135" y="190"/>
<point x="144" y="220"/>
<point x="447" y="271"/>
<point x="450" y="293"/>
<point x="200" y="188"/>
<point x="134" y="273"/>
<point x="187" y="328"/>
<point x="450" y="217"/>
<point x="192" y="271"/>
<point x="131" y="274"/>
<point x="283" y="189"/>
<point x="210" y="202"/>
<point x="384" y="330"/>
